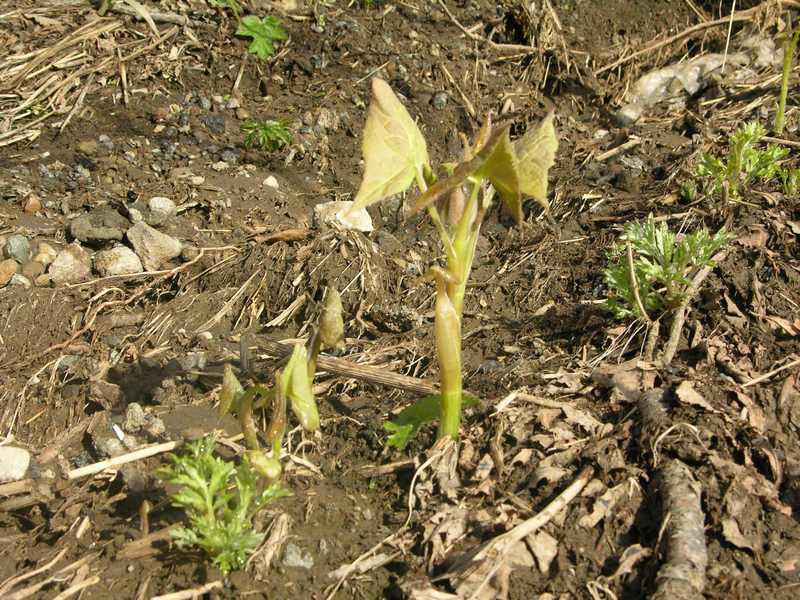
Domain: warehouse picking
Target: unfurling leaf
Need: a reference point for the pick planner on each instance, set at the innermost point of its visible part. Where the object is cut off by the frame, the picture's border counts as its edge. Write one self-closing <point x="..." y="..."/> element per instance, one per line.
<point x="425" y="410"/>
<point x="536" y="152"/>
<point x="502" y="169"/>
<point x="232" y="390"/>
<point x="296" y="385"/>
<point x="460" y="172"/>
<point x="331" y="323"/>
<point x="393" y="148"/>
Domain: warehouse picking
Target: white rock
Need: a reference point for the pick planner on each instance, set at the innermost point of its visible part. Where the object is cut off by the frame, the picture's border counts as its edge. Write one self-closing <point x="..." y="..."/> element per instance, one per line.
<point x="14" y="463"/>
<point x="152" y="246"/>
<point x="120" y="260"/>
<point x="72" y="265"/>
<point x="220" y="166"/>
<point x="271" y="182"/>
<point x="161" y="209"/>
<point x="337" y="214"/>
<point x="17" y="279"/>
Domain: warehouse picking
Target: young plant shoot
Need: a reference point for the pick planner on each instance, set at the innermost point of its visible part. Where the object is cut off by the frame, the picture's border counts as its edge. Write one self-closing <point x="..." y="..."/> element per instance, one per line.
<point x="396" y="156"/>
<point x="293" y="383"/>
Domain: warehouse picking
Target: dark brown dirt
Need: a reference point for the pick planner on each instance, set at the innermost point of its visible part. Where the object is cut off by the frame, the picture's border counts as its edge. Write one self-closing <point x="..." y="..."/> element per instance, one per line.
<point x="532" y="321"/>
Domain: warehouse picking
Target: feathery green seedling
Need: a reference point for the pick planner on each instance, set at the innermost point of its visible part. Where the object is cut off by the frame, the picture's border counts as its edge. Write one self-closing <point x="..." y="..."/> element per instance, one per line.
<point x="264" y="32"/>
<point x="220" y="500"/>
<point x="395" y="156"/>
<point x="268" y="136"/>
<point x="663" y="267"/>
<point x="744" y="163"/>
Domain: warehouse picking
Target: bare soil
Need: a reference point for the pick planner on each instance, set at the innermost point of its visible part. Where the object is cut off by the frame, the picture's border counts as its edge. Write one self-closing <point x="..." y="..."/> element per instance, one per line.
<point x="538" y="347"/>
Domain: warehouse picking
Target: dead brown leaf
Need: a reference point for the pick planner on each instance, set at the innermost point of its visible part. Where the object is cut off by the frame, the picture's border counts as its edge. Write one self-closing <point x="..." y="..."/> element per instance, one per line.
<point x="732" y="533"/>
<point x="544" y="548"/>
<point x="686" y="393"/>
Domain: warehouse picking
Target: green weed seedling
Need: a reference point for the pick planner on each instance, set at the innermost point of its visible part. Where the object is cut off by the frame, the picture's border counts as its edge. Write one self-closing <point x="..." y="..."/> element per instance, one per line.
<point x="268" y="136"/>
<point x="231" y="5"/>
<point x="220" y="500"/>
<point x="663" y="267"/>
<point x="264" y="31"/>
<point x="456" y="199"/>
<point x="744" y="164"/>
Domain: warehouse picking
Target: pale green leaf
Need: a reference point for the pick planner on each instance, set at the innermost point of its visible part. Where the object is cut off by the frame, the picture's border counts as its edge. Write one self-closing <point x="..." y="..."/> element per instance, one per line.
<point x="460" y="172"/>
<point x="231" y="392"/>
<point x="299" y="390"/>
<point x="536" y="151"/>
<point x="425" y="410"/>
<point x="393" y="148"/>
<point x="502" y="169"/>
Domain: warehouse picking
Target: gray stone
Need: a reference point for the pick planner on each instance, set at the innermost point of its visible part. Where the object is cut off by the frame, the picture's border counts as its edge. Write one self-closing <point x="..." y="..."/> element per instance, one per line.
<point x="293" y="556"/>
<point x="215" y="123"/>
<point x="105" y="141"/>
<point x="21" y="280"/>
<point x="337" y="214"/>
<point x="120" y="260"/>
<point x="99" y="225"/>
<point x="14" y="463"/>
<point x="153" y="247"/>
<point x="17" y="247"/>
<point x="439" y="100"/>
<point x="192" y="361"/>
<point x="72" y="265"/>
<point x="135" y="418"/>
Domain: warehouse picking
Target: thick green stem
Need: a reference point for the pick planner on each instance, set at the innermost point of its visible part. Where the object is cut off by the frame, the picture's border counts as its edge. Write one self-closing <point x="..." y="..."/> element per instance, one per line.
<point x="316" y="346"/>
<point x="788" y="55"/>
<point x="464" y="245"/>
<point x="448" y="349"/>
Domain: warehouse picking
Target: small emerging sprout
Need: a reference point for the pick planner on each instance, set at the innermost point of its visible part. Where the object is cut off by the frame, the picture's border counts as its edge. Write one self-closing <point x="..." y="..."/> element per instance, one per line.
<point x="264" y="32"/>
<point x="268" y="136"/>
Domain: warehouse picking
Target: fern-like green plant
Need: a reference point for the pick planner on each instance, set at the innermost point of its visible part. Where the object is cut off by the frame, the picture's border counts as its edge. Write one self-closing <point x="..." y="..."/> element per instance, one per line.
<point x="268" y="136"/>
<point x="220" y="500"/>
<point x="744" y="163"/>
<point x="663" y="266"/>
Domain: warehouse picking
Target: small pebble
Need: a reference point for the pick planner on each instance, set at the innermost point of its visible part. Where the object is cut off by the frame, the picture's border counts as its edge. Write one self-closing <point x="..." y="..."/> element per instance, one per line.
<point x="439" y="100"/>
<point x="32" y="269"/>
<point x="14" y="463"/>
<point x="21" y="280"/>
<point x="8" y="268"/>
<point x="33" y="204"/>
<point x="293" y="556"/>
<point x="45" y="253"/>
